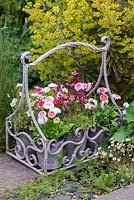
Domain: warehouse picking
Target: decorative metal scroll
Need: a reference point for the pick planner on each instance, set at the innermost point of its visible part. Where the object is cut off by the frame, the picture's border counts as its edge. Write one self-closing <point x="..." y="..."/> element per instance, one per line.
<point x="44" y="153"/>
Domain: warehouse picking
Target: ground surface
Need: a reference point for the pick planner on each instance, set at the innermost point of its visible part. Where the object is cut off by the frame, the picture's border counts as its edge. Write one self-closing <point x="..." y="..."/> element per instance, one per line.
<point x="126" y="193"/>
<point x="12" y="173"/>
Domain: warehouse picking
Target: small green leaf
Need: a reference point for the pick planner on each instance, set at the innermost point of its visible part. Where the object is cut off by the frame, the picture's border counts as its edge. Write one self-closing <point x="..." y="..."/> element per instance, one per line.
<point x="130" y="113"/>
<point x="120" y="135"/>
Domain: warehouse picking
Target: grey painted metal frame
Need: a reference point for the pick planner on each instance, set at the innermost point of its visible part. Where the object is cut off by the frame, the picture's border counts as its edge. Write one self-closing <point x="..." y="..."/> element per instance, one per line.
<point x="26" y="151"/>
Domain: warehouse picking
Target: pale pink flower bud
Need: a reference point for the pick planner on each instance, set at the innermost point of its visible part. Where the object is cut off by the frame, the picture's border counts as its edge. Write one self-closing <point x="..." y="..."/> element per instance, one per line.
<point x="116" y="96"/>
<point x="93" y="101"/>
<point x="57" y="110"/>
<point x="41" y="120"/>
<point x="125" y="104"/>
<point x="42" y="114"/>
<point x="92" y="104"/>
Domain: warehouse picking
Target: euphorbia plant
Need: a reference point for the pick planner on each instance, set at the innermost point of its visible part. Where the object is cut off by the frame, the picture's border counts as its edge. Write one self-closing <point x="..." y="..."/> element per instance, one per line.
<point x="60" y="108"/>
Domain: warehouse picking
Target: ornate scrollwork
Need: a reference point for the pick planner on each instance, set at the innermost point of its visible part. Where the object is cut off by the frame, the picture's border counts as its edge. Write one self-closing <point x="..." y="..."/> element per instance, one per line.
<point x="31" y="156"/>
<point x="20" y="148"/>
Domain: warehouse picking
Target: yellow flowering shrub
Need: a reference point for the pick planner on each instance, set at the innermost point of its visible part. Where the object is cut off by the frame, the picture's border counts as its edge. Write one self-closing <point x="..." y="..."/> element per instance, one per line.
<point x="56" y="22"/>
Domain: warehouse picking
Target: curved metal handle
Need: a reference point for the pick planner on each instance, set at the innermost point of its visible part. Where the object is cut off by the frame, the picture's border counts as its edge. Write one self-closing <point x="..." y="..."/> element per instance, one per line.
<point x="27" y="55"/>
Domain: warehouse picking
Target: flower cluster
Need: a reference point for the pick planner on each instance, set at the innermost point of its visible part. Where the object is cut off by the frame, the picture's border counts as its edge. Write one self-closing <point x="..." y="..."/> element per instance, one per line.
<point x="58" y="99"/>
<point x="59" y="104"/>
<point x="119" y="151"/>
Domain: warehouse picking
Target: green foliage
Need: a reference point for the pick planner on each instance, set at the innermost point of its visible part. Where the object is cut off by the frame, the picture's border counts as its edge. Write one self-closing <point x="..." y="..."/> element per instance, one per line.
<point x="56" y="130"/>
<point x="127" y="130"/>
<point x="101" y="175"/>
<point x="106" y="181"/>
<point x="11" y="48"/>
<point x="130" y="113"/>
<point x="125" y="175"/>
<point x="97" y="176"/>
<point x="6" y="79"/>
<point x="86" y="22"/>
<point x="105" y="176"/>
<point x="13" y="41"/>
<point x="11" y="15"/>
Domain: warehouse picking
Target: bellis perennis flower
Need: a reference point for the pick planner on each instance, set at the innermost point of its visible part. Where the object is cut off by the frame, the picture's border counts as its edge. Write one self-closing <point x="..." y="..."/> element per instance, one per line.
<point x="104" y="97"/>
<point x="56" y="120"/>
<point x="92" y="104"/>
<point x="39" y="90"/>
<point x="13" y="103"/>
<point x="40" y="104"/>
<point x="52" y="85"/>
<point x="48" y="105"/>
<point x="78" y="86"/>
<point x="52" y="113"/>
<point x="55" y="105"/>
<point x="75" y="73"/>
<point x="102" y="90"/>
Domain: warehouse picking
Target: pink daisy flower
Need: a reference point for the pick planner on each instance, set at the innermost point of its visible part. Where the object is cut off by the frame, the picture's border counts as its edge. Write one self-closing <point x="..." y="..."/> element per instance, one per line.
<point x="56" y="101"/>
<point x="48" y="105"/>
<point x="49" y="99"/>
<point x="75" y="73"/>
<point x="40" y="104"/>
<point x="39" y="90"/>
<point x="88" y="86"/>
<point x="78" y="86"/>
<point x="102" y="90"/>
<point x="52" y="113"/>
<point x="104" y="97"/>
